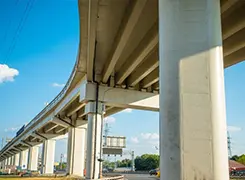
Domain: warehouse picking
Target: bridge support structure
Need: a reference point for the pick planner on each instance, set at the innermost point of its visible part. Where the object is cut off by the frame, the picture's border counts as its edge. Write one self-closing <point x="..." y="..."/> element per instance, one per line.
<point x="76" y="150"/>
<point x="24" y="159"/>
<point x="12" y="160"/>
<point x="33" y="158"/>
<point x="17" y="159"/>
<point x="48" y="157"/>
<point x="193" y="139"/>
<point x="94" y="140"/>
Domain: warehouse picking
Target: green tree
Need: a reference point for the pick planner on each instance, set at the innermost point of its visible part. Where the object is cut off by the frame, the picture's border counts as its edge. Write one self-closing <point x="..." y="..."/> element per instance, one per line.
<point x="235" y="157"/>
<point x="241" y="159"/>
<point x="147" y="162"/>
<point x="108" y="165"/>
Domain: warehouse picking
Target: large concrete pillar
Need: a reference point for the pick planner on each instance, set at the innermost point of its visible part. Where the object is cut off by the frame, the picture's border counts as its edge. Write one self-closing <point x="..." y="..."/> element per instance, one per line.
<point x="193" y="142"/>
<point x="24" y="159"/>
<point x="76" y="150"/>
<point x="4" y="163"/>
<point x="33" y="158"/>
<point x="48" y="157"/>
<point x="17" y="159"/>
<point x="9" y="161"/>
<point x="94" y="141"/>
<point x="12" y="160"/>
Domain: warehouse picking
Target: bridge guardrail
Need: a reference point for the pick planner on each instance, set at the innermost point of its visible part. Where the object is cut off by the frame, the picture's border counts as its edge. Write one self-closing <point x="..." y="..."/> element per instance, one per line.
<point x="48" y="107"/>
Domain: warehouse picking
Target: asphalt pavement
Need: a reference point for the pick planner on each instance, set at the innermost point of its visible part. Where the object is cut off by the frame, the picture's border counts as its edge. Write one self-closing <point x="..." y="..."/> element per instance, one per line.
<point x="139" y="177"/>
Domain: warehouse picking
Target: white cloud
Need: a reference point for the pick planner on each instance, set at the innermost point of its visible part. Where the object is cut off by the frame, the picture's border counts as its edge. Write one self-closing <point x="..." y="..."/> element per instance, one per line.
<point x="110" y="119"/>
<point x="12" y="129"/>
<point x="150" y="136"/>
<point x="134" y="140"/>
<point x="233" y="128"/>
<point x="58" y="85"/>
<point x="128" y="110"/>
<point x="7" y="73"/>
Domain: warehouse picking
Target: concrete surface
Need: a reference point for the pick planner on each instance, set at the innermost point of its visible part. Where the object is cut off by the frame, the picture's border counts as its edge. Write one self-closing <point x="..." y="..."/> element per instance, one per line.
<point x="139" y="177"/>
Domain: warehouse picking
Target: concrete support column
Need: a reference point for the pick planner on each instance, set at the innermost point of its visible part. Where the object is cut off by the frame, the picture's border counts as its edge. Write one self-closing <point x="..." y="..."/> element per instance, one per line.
<point x="48" y="157"/>
<point x="17" y="159"/>
<point x="9" y="161"/>
<point x="4" y="163"/>
<point x="76" y="150"/>
<point x="94" y="141"/>
<point x="193" y="139"/>
<point x="33" y="158"/>
<point x="12" y="160"/>
<point x="24" y="159"/>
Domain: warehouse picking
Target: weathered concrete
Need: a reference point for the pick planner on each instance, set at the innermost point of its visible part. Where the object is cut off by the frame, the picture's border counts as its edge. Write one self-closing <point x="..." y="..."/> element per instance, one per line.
<point x="33" y="158"/>
<point x="24" y="159"/>
<point x="192" y="101"/>
<point x="94" y="141"/>
<point x="48" y="157"/>
<point x="76" y="150"/>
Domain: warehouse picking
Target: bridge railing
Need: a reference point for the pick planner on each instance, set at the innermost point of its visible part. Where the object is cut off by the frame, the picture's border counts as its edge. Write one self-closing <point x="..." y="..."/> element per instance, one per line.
<point x="49" y="106"/>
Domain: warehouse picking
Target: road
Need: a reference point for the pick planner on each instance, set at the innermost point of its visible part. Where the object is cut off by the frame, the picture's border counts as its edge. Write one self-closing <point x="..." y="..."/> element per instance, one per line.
<point x="139" y="177"/>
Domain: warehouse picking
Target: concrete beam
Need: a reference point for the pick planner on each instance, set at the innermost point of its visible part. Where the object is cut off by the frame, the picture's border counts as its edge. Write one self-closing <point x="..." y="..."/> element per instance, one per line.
<point x="51" y="135"/>
<point x="155" y="86"/>
<point x="228" y="5"/>
<point x="59" y="129"/>
<point x="123" y="35"/>
<point x="91" y="33"/>
<point x="125" y="98"/>
<point x="38" y="135"/>
<point x="234" y="58"/>
<point x="26" y="143"/>
<point x="75" y="109"/>
<point x="233" y="24"/>
<point x="62" y="122"/>
<point x="114" y="110"/>
<point x="145" y="47"/>
<point x="49" y="127"/>
<point x="150" y="79"/>
<point x="234" y="43"/>
<point x="144" y="69"/>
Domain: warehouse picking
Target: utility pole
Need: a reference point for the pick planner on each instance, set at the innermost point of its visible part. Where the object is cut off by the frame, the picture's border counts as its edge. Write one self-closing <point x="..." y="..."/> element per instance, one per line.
<point x="61" y="161"/>
<point x="133" y="165"/>
<point x="229" y="145"/>
<point x="106" y="132"/>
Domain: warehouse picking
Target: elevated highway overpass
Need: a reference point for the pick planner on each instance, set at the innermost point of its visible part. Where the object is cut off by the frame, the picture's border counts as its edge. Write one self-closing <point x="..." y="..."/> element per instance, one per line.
<point x="127" y="50"/>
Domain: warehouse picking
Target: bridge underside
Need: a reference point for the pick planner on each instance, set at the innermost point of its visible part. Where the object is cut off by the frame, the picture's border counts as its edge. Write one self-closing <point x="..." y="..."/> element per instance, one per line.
<point x="120" y="47"/>
<point x="127" y="50"/>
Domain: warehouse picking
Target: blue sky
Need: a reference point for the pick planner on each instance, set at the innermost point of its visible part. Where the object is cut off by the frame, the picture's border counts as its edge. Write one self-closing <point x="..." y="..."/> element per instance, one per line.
<point x="42" y="50"/>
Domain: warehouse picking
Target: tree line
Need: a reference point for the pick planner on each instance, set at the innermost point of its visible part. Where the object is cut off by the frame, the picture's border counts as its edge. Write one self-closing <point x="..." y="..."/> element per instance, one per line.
<point x="240" y="159"/>
<point x="142" y="163"/>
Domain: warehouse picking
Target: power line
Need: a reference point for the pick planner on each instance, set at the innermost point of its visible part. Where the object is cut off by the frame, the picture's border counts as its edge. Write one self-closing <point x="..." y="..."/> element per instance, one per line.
<point x="28" y="8"/>
<point x="8" y="27"/>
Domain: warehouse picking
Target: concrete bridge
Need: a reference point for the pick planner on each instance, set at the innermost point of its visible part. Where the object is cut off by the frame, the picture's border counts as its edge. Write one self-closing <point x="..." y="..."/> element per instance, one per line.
<point x="131" y="51"/>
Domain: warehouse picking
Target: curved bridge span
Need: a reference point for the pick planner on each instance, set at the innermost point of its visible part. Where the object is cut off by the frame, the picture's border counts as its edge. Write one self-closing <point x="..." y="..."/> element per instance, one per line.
<point x="127" y="50"/>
